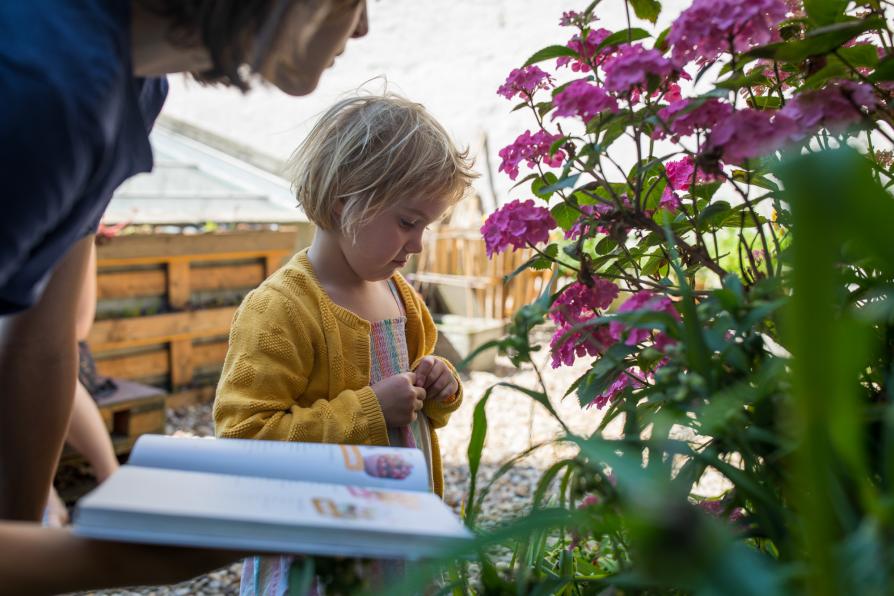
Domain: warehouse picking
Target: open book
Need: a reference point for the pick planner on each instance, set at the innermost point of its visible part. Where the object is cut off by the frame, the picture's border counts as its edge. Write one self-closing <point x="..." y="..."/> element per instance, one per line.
<point x="273" y="497"/>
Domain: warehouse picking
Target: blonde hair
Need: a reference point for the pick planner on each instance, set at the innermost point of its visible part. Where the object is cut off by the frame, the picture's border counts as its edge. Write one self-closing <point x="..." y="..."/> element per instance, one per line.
<point x="370" y="151"/>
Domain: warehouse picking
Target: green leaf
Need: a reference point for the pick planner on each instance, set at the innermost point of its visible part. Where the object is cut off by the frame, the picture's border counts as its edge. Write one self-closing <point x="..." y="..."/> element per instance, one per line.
<point x="884" y="71"/>
<point x="541" y="184"/>
<point x="661" y="41"/>
<point x="762" y="102"/>
<point x="647" y="10"/>
<point x="713" y="215"/>
<point x="824" y="12"/>
<point x="565" y="215"/>
<point x="550" y="52"/>
<point x="623" y="36"/>
<point x="817" y="42"/>
<point x="559" y="185"/>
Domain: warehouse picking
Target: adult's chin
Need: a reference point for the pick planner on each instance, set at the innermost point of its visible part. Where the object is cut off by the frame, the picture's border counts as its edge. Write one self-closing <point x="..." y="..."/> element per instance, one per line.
<point x="296" y="83"/>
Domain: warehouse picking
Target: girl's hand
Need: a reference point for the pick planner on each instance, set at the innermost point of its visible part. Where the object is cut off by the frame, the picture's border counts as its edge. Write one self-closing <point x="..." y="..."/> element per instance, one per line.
<point x="437" y="379"/>
<point x="399" y="398"/>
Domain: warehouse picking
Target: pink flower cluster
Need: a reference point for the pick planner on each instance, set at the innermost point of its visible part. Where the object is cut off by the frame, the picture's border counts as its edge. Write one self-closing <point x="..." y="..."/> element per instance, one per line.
<point x="632" y="65"/>
<point x="517" y="224"/>
<point x="749" y="133"/>
<point x="566" y="345"/>
<point x="709" y="27"/>
<point x="533" y="148"/>
<point x="643" y="300"/>
<point x="683" y="119"/>
<point x="524" y="82"/>
<point x="578" y="304"/>
<point x="586" y="49"/>
<point x="679" y="176"/>
<point x="835" y="106"/>
<point x="584" y="100"/>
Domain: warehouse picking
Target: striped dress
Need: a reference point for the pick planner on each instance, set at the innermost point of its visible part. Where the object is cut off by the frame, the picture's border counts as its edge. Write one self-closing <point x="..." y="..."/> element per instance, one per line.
<point x="388" y="356"/>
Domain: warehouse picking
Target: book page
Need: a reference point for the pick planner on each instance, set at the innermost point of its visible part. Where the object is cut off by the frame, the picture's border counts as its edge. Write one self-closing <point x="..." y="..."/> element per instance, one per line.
<point x="270" y="515"/>
<point x="361" y="465"/>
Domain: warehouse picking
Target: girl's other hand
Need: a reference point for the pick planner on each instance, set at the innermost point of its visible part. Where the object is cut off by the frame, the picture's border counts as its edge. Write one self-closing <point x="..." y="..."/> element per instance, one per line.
<point x="399" y="398"/>
<point x="436" y="378"/>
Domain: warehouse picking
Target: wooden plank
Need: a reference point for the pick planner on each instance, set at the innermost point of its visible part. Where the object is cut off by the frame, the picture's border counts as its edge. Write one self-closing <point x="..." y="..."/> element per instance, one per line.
<point x="178" y="284"/>
<point x="135" y="366"/>
<point x="130" y="284"/>
<point x="172" y="245"/>
<point x="139" y="331"/>
<point x="181" y="362"/>
<point x="157" y="362"/>
<point x="207" y="354"/>
<point x="227" y="277"/>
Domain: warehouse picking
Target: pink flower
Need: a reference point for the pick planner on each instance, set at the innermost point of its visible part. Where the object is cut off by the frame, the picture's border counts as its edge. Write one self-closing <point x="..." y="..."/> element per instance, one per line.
<point x="582" y="99"/>
<point x="517" y="224"/>
<point x="579" y="303"/>
<point x="572" y="17"/>
<point x="679" y="177"/>
<point x="617" y="387"/>
<point x="746" y="134"/>
<point x="586" y="51"/>
<point x="835" y="106"/>
<point x="532" y="148"/>
<point x="631" y="67"/>
<point x="705" y="29"/>
<point x="524" y="82"/>
<point x="643" y="300"/>
<point x="683" y="122"/>
<point x="566" y="345"/>
<point x="716" y="507"/>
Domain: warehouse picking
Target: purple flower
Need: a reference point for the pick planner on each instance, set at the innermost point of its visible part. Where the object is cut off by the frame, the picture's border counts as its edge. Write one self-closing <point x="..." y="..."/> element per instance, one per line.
<point x="532" y="148"/>
<point x="582" y="99"/>
<point x="683" y="122"/>
<point x="586" y="50"/>
<point x="524" y="82"/>
<point x="632" y="65"/>
<point x="567" y="345"/>
<point x="679" y="177"/>
<point x="579" y="303"/>
<point x="749" y="133"/>
<point x="572" y="17"/>
<point x="614" y="391"/>
<point x="643" y="300"/>
<point x="706" y="29"/>
<point x="517" y="224"/>
<point x="835" y="106"/>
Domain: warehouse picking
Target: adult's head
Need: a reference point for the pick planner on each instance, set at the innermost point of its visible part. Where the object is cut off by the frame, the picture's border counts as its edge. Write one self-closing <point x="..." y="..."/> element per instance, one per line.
<point x="289" y="43"/>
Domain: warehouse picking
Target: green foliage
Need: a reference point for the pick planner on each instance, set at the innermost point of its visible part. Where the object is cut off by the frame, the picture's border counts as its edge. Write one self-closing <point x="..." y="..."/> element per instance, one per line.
<point x="772" y="367"/>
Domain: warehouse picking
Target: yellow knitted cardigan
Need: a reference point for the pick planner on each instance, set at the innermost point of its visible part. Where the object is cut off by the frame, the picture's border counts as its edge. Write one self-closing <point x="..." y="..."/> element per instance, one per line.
<point x="297" y="368"/>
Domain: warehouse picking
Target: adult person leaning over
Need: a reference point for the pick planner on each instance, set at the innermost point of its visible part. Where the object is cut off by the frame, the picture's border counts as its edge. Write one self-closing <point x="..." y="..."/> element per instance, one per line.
<point x="81" y="85"/>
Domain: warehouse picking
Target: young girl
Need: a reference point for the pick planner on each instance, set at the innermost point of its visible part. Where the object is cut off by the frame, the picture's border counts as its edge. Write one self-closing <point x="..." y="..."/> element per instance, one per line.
<point x="336" y="347"/>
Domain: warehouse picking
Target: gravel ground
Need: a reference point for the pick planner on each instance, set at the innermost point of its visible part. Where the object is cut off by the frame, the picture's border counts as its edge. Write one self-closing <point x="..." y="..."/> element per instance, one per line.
<point x="515" y="423"/>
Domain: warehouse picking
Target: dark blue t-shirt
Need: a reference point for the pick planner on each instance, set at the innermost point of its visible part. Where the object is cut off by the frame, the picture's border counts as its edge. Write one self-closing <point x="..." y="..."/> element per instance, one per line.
<point x="74" y="124"/>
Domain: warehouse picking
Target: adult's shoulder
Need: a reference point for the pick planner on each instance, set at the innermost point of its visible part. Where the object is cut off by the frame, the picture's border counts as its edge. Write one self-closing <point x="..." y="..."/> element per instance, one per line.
<point x="63" y="55"/>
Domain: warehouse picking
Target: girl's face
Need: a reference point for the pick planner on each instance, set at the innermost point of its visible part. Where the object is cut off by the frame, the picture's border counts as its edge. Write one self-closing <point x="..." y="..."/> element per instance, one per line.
<point x="384" y="244"/>
<point x="307" y="44"/>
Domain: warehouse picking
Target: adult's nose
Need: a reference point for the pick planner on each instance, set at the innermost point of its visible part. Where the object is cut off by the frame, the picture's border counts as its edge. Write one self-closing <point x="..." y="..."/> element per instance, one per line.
<point x="362" y="27"/>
